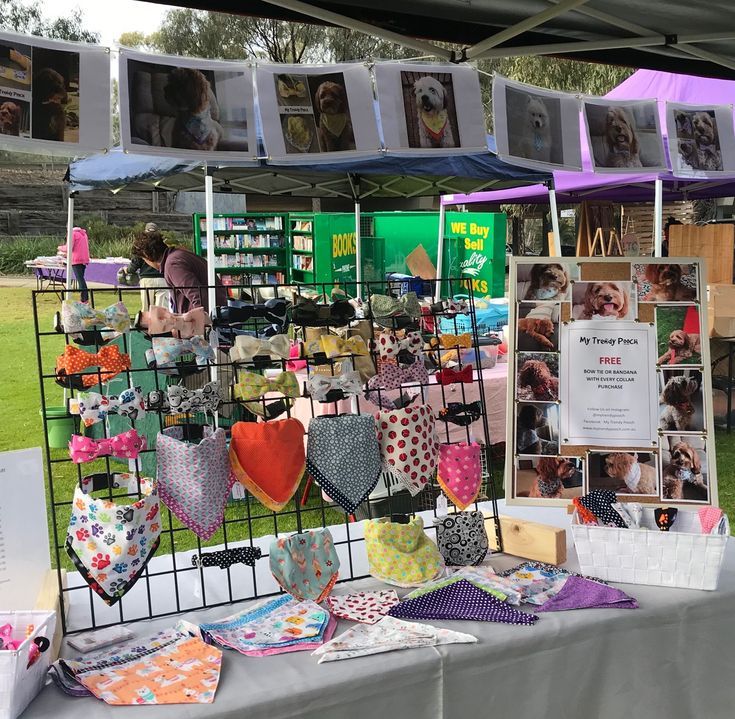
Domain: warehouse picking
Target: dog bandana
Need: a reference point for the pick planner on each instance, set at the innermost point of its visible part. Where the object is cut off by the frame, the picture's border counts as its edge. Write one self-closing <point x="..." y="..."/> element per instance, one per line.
<point x="462" y="538"/>
<point x="401" y="554"/>
<point x="461" y="414"/>
<point x="79" y="316"/>
<point x="538" y="582"/>
<point x="435" y="124"/>
<point x="194" y="480"/>
<point x="178" y="399"/>
<point x="438" y="584"/>
<point x="363" y="607"/>
<point x="633" y="478"/>
<point x="460" y="472"/>
<point x="160" y="321"/>
<point x="110" y="543"/>
<point x="166" y="668"/>
<point x="408" y="445"/>
<point x="166" y="350"/>
<point x="385" y="306"/>
<point x="93" y="407"/>
<point x="126" y="445"/>
<point x="599" y="502"/>
<point x="392" y="377"/>
<point x="323" y="387"/>
<point x="343" y="456"/>
<point x="665" y="517"/>
<point x="484" y="576"/>
<point x="580" y="593"/>
<point x="450" y="376"/>
<point x="387" y="635"/>
<point x="546" y="293"/>
<point x="305" y="565"/>
<point x="389" y="346"/>
<point x="247" y="348"/>
<point x="251" y="385"/>
<point x="460" y="600"/>
<point x="109" y="359"/>
<point x="268" y="459"/>
<point x="709" y="518"/>
<point x="225" y="558"/>
<point x="584" y="514"/>
<point x="628" y="517"/>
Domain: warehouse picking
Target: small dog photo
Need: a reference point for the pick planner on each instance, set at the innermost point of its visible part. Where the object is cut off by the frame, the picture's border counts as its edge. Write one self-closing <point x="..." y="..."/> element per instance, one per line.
<point x="15" y="117"/>
<point x="545" y="281"/>
<point x="684" y="473"/>
<point x="15" y="66"/>
<point x="537" y="428"/>
<point x="680" y="402"/>
<point x="678" y="336"/>
<point x="624" y="472"/>
<point x="55" y="95"/>
<point x="538" y="327"/>
<point x="300" y="133"/>
<point x="604" y="300"/>
<point x="549" y="477"/>
<point x="537" y="378"/>
<point x="534" y="126"/>
<point x="292" y="91"/>
<point x="332" y="112"/>
<point x="697" y="140"/>
<point x="624" y="136"/>
<point x="664" y="282"/>
<point x="430" y="110"/>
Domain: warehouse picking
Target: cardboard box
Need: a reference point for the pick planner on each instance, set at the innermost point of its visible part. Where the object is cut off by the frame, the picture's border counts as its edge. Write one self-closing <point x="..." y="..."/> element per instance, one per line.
<point x="721" y="310"/>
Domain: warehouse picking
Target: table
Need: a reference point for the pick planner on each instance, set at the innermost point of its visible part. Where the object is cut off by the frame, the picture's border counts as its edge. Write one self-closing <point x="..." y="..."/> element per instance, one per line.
<point x="101" y="271"/>
<point x="666" y="660"/>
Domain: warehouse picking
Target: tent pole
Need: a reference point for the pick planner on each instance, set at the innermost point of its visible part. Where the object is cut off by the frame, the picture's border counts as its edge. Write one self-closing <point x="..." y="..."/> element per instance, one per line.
<point x="358" y="249"/>
<point x="658" y="211"/>
<point x="439" y="253"/>
<point x="555" y="244"/>
<point x="69" y="242"/>
<point x="209" y="214"/>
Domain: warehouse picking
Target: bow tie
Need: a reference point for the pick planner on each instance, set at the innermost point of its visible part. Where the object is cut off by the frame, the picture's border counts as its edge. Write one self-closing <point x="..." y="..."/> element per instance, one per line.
<point x="109" y="359"/>
<point x="453" y="341"/>
<point x="166" y="350"/>
<point x="393" y="377"/>
<point x="125" y="446"/>
<point x="180" y="399"/>
<point x="348" y="382"/>
<point x="252" y="385"/>
<point x="385" y="306"/>
<point x="93" y="407"/>
<point x="450" y="376"/>
<point x="451" y="307"/>
<point x="79" y="316"/>
<point x="274" y="311"/>
<point x="246" y="348"/>
<point x="389" y="346"/>
<point x="334" y="346"/>
<point x="160" y="321"/>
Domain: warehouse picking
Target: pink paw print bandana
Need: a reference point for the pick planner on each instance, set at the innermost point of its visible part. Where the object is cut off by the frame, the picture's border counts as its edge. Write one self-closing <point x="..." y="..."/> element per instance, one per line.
<point x="460" y="472"/>
<point x="364" y="607"/>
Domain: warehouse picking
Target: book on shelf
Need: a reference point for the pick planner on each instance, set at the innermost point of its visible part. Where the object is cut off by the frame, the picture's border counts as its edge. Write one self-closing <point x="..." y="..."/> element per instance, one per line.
<point x="265" y="278"/>
<point x="301" y="226"/>
<point x="242" y="223"/>
<point x="303" y="244"/>
<point x="303" y="262"/>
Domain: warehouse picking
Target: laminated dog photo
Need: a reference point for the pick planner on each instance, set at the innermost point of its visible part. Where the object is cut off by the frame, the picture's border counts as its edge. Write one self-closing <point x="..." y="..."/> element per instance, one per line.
<point x="604" y="300"/>
<point x="681" y="402"/>
<point x="430" y="110"/>
<point x="537" y="378"/>
<point x="537" y="428"/>
<point x="15" y="89"/>
<point x="684" y="469"/>
<point x="549" y="477"/>
<point x="678" y="335"/>
<point x="545" y="281"/>
<point x="701" y="139"/>
<point x="665" y="282"/>
<point x="55" y="103"/>
<point x="627" y="472"/>
<point x="538" y="326"/>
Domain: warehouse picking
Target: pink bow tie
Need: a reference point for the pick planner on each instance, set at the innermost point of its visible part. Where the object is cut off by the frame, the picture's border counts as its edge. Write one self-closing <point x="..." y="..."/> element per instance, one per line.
<point x="159" y="321"/>
<point x="126" y="446"/>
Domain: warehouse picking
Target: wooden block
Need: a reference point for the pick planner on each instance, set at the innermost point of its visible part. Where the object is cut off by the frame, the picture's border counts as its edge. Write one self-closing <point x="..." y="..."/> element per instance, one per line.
<point x="529" y="540"/>
<point x="48" y="600"/>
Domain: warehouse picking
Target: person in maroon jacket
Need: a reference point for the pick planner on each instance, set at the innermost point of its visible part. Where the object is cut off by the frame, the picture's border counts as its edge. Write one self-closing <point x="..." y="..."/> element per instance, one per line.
<point x="185" y="273"/>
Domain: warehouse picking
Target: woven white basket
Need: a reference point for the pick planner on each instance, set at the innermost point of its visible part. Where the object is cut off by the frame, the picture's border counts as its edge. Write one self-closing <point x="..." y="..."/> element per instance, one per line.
<point x="681" y="558"/>
<point x="20" y="683"/>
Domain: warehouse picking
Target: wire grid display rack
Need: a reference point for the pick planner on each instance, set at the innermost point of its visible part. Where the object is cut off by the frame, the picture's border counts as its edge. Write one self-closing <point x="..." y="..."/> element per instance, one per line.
<point x="164" y="588"/>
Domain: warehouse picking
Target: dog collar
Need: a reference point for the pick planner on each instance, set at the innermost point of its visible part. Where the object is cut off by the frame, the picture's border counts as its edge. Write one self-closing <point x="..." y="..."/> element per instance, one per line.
<point x="198" y="126"/>
<point x="546" y="293"/>
<point x="334" y="124"/>
<point x="435" y="127"/>
<point x="549" y="488"/>
<point x="538" y="142"/>
<point x="633" y="478"/>
<point x="685" y="474"/>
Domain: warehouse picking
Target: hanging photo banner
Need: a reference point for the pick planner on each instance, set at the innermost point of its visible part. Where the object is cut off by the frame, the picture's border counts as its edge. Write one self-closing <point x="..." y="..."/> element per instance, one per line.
<point x="701" y="139"/>
<point x="54" y="96"/>
<point x="186" y="107"/>
<point x="436" y="108"/>
<point x="624" y="135"/>
<point x="324" y="112"/>
<point x="534" y="127"/>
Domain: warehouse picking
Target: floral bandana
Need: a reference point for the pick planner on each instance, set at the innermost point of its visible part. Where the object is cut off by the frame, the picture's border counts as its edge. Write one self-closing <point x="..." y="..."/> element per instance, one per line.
<point x="110" y="543"/>
<point x="268" y="459"/>
<point x="93" y="407"/>
<point x="344" y="458"/>
<point x="408" y="445"/>
<point x="462" y="538"/>
<point x="363" y="607"/>
<point x="460" y="472"/>
<point x="126" y="445"/>
<point x="538" y="582"/>
<point x="401" y="554"/>
<point x="194" y="480"/>
<point x="305" y="565"/>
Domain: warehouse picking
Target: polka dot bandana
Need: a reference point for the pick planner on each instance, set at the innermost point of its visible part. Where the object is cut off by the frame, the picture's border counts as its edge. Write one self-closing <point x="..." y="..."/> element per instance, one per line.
<point x="343" y="456"/>
<point x="460" y="472"/>
<point x="462" y="538"/>
<point x="599" y="502"/>
<point x="709" y="518"/>
<point x="363" y="607"/>
<point x="460" y="600"/>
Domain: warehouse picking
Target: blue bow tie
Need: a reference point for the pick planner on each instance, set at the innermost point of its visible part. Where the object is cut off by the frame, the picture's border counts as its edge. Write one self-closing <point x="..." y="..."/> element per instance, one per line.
<point x="166" y="350"/>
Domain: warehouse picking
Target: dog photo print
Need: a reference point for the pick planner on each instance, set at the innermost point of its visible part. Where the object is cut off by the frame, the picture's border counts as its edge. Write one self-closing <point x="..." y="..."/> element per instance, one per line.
<point x="186" y="107"/>
<point x="604" y="300"/>
<point x="624" y="136"/>
<point x="15" y="89"/>
<point x="537" y="428"/>
<point x="678" y="335"/>
<point x="680" y="403"/>
<point x="537" y="379"/>
<point x="435" y="108"/>
<point x="536" y="127"/>
<point x="665" y="282"/>
<point x="549" y="477"/>
<point x="538" y="326"/>
<point x="545" y="281"/>
<point x="624" y="472"/>
<point x="322" y="111"/>
<point x="684" y="469"/>
<point x="701" y="139"/>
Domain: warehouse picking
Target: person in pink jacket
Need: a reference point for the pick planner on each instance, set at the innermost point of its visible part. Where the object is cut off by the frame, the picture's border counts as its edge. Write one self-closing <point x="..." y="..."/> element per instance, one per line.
<point x="79" y="258"/>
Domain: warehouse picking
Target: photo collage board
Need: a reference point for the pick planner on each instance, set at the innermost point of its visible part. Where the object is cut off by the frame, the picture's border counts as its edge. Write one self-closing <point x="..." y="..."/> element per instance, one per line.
<point x="610" y="384"/>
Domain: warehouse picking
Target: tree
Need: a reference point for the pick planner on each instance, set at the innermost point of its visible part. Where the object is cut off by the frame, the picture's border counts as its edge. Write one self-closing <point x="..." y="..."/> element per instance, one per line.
<point x="27" y="19"/>
<point x="343" y="45"/>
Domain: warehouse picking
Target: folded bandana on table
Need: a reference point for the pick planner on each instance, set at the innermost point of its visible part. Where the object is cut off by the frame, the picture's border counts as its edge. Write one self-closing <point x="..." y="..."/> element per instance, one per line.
<point x="348" y="382"/>
<point x="251" y="385"/>
<point x="109" y="359"/>
<point x="160" y="321"/>
<point x="461" y="538"/>
<point x="126" y="445"/>
<point x="166" y="668"/>
<point x="343" y="456"/>
<point x="268" y="459"/>
<point x="538" y="582"/>
<point x="460" y="472"/>
<point x="178" y="399"/>
<point x="363" y="607"/>
<point x="246" y="348"/>
<point x="392" y="377"/>
<point x="460" y="600"/>
<point x="408" y="445"/>
<point x="439" y="583"/>
<point x="79" y="316"/>
<point x="93" y="407"/>
<point x="401" y="554"/>
<point x="166" y="350"/>
<point x="580" y="593"/>
<point x="388" y="635"/>
<point x="305" y="565"/>
<point x="484" y="576"/>
<point x="194" y="480"/>
<point x="111" y="541"/>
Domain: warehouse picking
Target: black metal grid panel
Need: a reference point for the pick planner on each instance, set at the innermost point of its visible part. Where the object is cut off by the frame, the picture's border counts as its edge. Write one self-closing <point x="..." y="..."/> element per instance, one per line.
<point x="238" y="526"/>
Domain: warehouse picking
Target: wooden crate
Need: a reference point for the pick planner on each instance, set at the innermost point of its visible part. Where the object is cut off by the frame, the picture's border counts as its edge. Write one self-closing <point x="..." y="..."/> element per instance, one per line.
<point x="715" y="243"/>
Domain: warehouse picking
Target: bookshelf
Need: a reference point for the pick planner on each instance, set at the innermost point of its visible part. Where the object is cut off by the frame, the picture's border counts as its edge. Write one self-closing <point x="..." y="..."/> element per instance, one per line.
<point x="301" y="229"/>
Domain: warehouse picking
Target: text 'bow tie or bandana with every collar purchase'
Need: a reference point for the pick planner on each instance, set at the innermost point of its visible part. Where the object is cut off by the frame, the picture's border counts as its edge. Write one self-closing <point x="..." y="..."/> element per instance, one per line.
<point x="194" y="480"/>
<point x="363" y="607"/>
<point x="305" y="565"/>
<point x="178" y="400"/>
<point x="160" y="321"/>
<point x="408" y="445"/>
<point x="268" y="459"/>
<point x="251" y="385"/>
<point x="110" y="541"/>
<point x="321" y="386"/>
<point x="109" y="359"/>
<point x="461" y="538"/>
<point x="343" y="456"/>
<point x="126" y="445"/>
<point x="389" y="346"/>
<point x="93" y="407"/>
<point x="79" y="316"/>
<point x="246" y="348"/>
<point x="166" y="350"/>
<point x="393" y="377"/>
<point x="460" y="472"/>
